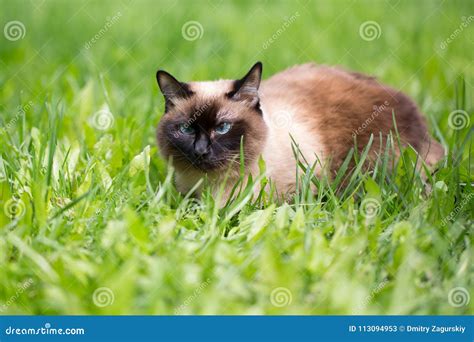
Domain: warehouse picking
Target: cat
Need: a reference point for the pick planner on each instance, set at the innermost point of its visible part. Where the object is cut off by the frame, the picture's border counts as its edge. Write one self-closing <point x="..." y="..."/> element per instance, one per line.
<point x="321" y="109"/>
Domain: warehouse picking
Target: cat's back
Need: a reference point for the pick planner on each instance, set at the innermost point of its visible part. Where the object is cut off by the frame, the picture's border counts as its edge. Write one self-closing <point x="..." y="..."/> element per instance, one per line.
<point x="318" y="105"/>
<point x="331" y="106"/>
<point x="311" y="85"/>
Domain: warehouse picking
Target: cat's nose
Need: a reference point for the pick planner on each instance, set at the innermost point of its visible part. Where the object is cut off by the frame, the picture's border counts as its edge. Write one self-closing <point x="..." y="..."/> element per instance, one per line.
<point x="201" y="146"/>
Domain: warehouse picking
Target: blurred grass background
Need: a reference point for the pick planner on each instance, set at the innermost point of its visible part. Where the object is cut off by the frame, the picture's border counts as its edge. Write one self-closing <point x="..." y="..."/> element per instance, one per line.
<point x="88" y="222"/>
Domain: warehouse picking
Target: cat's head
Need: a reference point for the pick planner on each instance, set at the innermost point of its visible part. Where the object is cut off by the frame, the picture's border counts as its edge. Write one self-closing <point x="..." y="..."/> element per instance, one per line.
<point x="205" y="122"/>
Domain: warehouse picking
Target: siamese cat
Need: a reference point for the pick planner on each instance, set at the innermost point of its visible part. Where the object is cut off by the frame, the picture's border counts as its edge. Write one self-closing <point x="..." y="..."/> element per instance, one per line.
<point x="323" y="110"/>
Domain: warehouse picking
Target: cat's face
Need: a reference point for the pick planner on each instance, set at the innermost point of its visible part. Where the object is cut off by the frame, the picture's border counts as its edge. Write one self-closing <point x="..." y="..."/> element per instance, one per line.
<point x="205" y="122"/>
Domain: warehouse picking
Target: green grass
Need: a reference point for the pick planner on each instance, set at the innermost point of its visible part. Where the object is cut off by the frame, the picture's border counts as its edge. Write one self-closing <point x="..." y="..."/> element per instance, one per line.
<point x="87" y="209"/>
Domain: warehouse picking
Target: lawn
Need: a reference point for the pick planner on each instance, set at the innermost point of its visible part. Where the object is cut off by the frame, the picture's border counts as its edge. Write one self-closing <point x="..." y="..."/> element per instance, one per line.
<point x="91" y="222"/>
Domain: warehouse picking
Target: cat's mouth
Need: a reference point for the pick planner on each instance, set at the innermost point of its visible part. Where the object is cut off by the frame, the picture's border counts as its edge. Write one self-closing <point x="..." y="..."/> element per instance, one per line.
<point x="210" y="164"/>
<point x="207" y="165"/>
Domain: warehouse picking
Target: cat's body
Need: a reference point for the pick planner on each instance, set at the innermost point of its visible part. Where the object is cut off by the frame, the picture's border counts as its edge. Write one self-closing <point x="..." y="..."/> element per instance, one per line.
<point x="323" y="109"/>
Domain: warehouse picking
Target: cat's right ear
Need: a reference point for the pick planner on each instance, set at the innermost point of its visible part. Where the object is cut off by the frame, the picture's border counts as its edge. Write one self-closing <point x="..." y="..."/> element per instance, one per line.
<point x="171" y="88"/>
<point x="246" y="89"/>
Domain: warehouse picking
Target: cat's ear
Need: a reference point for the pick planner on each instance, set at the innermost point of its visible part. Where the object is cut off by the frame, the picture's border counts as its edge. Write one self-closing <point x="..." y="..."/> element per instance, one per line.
<point x="246" y="89"/>
<point x="171" y="88"/>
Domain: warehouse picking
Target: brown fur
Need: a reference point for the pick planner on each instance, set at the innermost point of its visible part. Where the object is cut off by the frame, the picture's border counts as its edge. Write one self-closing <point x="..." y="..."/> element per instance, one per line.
<point x="323" y="108"/>
<point x="336" y="104"/>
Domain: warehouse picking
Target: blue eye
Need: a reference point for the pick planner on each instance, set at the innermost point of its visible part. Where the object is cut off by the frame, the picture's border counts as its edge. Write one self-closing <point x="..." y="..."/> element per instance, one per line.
<point x="186" y="129"/>
<point x="223" y="128"/>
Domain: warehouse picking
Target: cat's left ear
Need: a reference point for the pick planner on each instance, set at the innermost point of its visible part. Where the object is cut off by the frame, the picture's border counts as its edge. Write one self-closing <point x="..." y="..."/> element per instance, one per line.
<point x="246" y="89"/>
